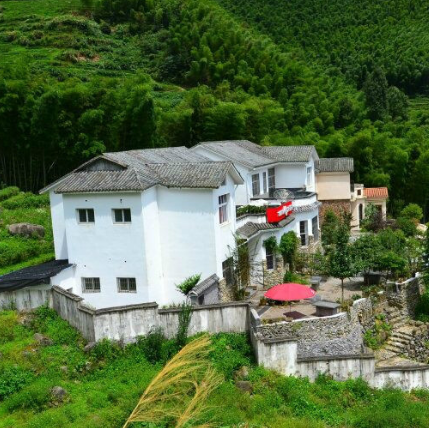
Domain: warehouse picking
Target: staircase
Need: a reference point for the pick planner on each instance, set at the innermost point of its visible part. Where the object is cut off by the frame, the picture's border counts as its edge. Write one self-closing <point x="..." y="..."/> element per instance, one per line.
<point x="399" y="341"/>
<point x="396" y="319"/>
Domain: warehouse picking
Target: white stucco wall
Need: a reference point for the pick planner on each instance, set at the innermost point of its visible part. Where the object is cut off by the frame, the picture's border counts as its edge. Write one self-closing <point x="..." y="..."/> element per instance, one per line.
<point x="58" y="225"/>
<point x="333" y="186"/>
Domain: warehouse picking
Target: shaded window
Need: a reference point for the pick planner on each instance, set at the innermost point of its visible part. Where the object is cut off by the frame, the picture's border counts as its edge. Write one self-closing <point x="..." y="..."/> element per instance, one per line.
<point x="271" y="178"/>
<point x="309" y="176"/>
<point x="91" y="285"/>
<point x="270" y="258"/>
<point x="315" y="228"/>
<point x="223" y="208"/>
<point x="360" y="212"/>
<point x="303" y="232"/>
<point x="264" y="183"/>
<point x="127" y="285"/>
<point x="359" y="192"/>
<point x="122" y="215"/>
<point x="201" y="300"/>
<point x="85" y="215"/>
<point x="228" y="271"/>
<point x="256" y="187"/>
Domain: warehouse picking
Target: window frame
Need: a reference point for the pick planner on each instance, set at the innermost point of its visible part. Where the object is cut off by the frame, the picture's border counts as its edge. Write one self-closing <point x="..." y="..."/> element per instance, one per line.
<point x="94" y="280"/>
<point x="256" y="183"/>
<point x="309" y="176"/>
<point x="264" y="182"/>
<point x="87" y="216"/>
<point x="303" y="235"/>
<point x="122" y="210"/>
<point x="271" y="179"/>
<point x="128" y="281"/>
<point x="270" y="259"/>
<point x="223" y="208"/>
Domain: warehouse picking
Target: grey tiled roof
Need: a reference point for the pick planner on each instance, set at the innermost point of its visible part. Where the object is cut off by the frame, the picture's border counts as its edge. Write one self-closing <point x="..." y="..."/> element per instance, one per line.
<point x="249" y="229"/>
<point x="139" y="170"/>
<point x="336" y="165"/>
<point x="205" y="285"/>
<point x="253" y="155"/>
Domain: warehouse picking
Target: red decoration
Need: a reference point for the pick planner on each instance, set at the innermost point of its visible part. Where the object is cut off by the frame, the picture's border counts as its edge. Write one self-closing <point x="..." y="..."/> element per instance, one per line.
<point x="289" y="292"/>
<point x="274" y="215"/>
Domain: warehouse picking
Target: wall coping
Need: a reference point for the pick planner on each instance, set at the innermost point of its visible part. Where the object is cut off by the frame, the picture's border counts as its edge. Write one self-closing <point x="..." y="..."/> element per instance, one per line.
<point x="336" y="357"/>
<point x="269" y="340"/>
<point x="407" y="368"/>
<point x="125" y="308"/>
<point x="201" y="308"/>
<point x="72" y="296"/>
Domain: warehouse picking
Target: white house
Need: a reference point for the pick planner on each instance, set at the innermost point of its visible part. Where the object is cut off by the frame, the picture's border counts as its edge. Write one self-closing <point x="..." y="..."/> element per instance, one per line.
<point x="133" y="224"/>
<point x="272" y="175"/>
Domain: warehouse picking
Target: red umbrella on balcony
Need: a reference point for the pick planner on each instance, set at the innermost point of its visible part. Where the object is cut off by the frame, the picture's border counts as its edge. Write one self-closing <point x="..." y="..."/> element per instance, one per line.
<point x="289" y="292"/>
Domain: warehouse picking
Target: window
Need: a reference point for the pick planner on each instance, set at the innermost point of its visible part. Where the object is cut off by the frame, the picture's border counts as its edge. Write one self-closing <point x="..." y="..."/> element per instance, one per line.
<point x="127" y="285"/>
<point x="359" y="192"/>
<point x="303" y="232"/>
<point x="90" y="285"/>
<point x="270" y="258"/>
<point x="315" y="228"/>
<point x="309" y="176"/>
<point x="256" y="187"/>
<point x="360" y="213"/>
<point x="271" y="178"/>
<point x="264" y="183"/>
<point x="223" y="208"/>
<point x="228" y="271"/>
<point x="122" y="215"/>
<point x="85" y="215"/>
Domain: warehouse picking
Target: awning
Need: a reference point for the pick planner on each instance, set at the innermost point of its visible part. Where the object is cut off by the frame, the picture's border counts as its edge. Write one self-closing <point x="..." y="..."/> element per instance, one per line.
<point x="33" y="275"/>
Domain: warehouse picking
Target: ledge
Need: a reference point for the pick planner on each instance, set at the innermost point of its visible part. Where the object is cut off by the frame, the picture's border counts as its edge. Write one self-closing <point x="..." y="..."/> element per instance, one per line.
<point x="150" y="305"/>
<point x="278" y="340"/>
<point x="410" y="368"/>
<point x="72" y="296"/>
<point x="201" y="308"/>
<point x="336" y="357"/>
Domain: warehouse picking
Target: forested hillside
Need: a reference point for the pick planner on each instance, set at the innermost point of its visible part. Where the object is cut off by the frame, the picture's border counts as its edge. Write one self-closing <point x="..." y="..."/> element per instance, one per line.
<point x="79" y="79"/>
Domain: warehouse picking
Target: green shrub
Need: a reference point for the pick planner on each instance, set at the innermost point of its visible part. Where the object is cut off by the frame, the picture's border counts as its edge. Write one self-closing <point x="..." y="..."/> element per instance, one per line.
<point x="294" y="277"/>
<point x="250" y="209"/>
<point x="8" y="192"/>
<point x="26" y="200"/>
<point x="106" y="350"/>
<point x="422" y="307"/>
<point x="188" y="284"/>
<point x="33" y="397"/>
<point x="13" y="379"/>
<point x="152" y="345"/>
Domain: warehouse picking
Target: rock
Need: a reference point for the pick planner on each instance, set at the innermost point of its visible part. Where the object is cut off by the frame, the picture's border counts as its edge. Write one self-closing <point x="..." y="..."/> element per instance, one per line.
<point x="42" y="340"/>
<point x="89" y="347"/>
<point x="241" y="373"/>
<point x="64" y="369"/>
<point x="419" y="323"/>
<point x="26" y="229"/>
<point x="58" y="393"/>
<point x="244" y="385"/>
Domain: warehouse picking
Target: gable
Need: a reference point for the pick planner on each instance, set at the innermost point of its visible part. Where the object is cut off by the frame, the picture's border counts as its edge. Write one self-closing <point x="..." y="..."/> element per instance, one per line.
<point x="101" y="164"/>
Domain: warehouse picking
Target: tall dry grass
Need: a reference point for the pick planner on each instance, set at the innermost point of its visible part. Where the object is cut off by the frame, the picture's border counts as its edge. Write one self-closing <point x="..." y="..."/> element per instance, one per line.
<point x="180" y="390"/>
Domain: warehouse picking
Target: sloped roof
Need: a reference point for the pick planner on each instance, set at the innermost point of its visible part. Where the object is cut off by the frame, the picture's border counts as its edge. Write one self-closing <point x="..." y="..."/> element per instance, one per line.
<point x="336" y="165"/>
<point x="33" y="275"/>
<point x="205" y="285"/>
<point x="376" y="192"/>
<point x="253" y="155"/>
<point x="250" y="229"/>
<point x="138" y="170"/>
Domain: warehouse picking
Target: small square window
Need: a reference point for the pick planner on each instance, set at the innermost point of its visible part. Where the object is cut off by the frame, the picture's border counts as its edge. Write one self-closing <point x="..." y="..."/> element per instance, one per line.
<point x="127" y="285"/>
<point x="91" y="285"/>
<point x="122" y="215"/>
<point x="85" y="215"/>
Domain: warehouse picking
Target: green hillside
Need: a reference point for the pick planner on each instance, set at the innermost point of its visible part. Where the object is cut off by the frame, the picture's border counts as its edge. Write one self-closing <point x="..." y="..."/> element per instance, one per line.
<point x="114" y="75"/>
<point x="103" y="385"/>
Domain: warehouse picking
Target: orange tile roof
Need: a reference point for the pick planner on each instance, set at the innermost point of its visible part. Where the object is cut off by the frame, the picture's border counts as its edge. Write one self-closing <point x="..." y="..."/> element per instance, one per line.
<point x="376" y="192"/>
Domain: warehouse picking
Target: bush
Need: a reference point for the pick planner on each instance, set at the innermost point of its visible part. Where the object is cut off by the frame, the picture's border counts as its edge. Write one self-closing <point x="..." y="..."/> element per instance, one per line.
<point x="294" y="277"/>
<point x="422" y="307"/>
<point x="152" y="345"/>
<point x="250" y="209"/>
<point x="188" y="284"/>
<point x="33" y="397"/>
<point x="8" y="192"/>
<point x="26" y="200"/>
<point x="13" y="379"/>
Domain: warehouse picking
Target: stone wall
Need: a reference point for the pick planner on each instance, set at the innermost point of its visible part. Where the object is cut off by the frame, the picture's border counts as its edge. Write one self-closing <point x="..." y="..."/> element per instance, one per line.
<point x="338" y="206"/>
<point x="327" y="336"/>
<point x="26" y="298"/>
<point x="405" y="295"/>
<point x="273" y="276"/>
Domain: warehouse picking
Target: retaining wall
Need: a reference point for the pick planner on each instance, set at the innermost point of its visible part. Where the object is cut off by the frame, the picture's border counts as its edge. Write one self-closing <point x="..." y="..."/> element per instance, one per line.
<point x="26" y="298"/>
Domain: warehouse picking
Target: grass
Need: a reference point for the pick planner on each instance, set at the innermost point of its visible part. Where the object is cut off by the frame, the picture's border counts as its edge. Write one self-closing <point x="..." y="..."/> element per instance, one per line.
<point x="17" y="252"/>
<point x="103" y="386"/>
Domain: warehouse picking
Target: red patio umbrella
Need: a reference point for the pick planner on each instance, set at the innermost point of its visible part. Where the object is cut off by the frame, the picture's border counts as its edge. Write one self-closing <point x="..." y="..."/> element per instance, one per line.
<point x="289" y="292"/>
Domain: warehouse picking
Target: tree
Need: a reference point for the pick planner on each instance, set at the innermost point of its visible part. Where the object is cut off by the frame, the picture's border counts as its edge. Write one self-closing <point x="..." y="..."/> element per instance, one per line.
<point x="397" y="102"/>
<point x="373" y="221"/>
<point x="329" y="228"/>
<point x="412" y="212"/>
<point x="375" y="88"/>
<point x="288" y="248"/>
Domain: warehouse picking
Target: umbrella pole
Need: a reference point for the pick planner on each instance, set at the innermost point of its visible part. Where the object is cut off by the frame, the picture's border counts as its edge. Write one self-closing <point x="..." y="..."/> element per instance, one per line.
<point x="290" y="307"/>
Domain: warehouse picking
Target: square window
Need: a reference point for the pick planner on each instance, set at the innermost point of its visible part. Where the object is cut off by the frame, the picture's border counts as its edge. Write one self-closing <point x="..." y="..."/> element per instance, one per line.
<point x="127" y="285"/>
<point x="91" y="285"/>
<point x="85" y="215"/>
<point x="122" y="215"/>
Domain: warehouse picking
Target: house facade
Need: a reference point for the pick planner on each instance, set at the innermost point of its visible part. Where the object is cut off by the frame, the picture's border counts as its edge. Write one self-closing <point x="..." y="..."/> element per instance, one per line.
<point x="134" y="224"/>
